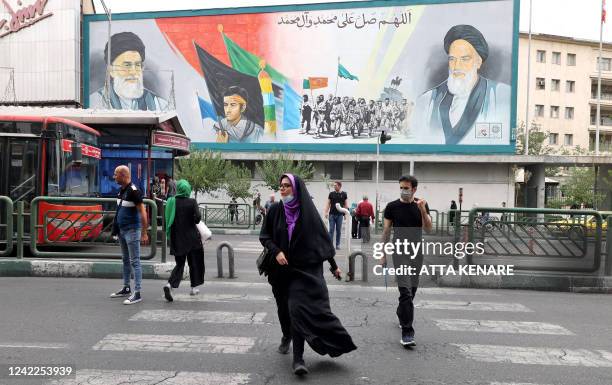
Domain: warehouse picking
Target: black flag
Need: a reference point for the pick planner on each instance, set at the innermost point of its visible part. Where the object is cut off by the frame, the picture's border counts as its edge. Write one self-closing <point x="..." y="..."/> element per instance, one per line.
<point x="220" y="77"/>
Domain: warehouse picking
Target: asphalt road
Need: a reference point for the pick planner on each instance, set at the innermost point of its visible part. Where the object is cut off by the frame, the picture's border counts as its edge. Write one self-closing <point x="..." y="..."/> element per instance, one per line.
<point x="229" y="334"/>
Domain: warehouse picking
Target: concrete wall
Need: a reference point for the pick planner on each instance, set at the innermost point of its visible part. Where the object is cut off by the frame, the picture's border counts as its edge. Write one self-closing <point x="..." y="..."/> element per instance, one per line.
<point x="485" y="185"/>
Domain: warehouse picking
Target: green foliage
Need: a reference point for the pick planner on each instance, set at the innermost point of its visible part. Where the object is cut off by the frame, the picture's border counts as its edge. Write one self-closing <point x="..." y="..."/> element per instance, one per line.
<point x="579" y="187"/>
<point x="537" y="140"/>
<point x="272" y="168"/>
<point x="238" y="181"/>
<point x="205" y="171"/>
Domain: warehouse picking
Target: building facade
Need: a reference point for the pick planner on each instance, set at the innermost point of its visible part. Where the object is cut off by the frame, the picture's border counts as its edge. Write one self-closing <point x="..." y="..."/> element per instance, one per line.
<point x="563" y="91"/>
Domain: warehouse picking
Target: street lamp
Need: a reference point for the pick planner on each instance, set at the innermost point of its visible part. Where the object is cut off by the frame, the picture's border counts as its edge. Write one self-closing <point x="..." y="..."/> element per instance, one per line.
<point x="382" y="139"/>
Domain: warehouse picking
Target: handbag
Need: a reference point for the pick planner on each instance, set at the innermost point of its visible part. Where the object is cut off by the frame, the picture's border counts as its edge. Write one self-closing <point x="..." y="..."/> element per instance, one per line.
<point x="204" y="231"/>
<point x="263" y="262"/>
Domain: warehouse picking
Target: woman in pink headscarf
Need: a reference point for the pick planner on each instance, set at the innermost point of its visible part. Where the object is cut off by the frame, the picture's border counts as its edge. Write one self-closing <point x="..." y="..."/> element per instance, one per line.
<point x="295" y="235"/>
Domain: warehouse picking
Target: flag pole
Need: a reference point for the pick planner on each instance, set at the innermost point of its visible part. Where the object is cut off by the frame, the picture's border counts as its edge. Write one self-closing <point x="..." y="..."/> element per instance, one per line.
<point x="337" y="77"/>
<point x="599" y="62"/>
<point x="527" y="107"/>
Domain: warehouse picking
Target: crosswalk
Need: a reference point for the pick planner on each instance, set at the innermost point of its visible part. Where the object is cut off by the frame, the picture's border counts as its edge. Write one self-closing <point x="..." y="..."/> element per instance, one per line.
<point x="449" y="311"/>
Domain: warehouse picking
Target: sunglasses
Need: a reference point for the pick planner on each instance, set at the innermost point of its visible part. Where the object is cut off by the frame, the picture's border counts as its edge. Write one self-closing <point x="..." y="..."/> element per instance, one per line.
<point x="285" y="185"/>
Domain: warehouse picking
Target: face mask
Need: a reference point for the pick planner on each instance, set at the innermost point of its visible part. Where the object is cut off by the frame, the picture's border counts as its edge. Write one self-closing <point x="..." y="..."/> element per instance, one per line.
<point x="406" y="195"/>
<point x="288" y="198"/>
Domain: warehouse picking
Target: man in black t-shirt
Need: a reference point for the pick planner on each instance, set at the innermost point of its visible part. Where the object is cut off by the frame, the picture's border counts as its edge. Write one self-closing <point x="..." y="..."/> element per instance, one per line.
<point x="335" y="216"/>
<point x="408" y="216"/>
<point x="131" y="227"/>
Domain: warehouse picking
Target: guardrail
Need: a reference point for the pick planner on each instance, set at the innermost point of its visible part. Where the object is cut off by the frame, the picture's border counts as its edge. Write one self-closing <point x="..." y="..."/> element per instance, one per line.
<point x="54" y="227"/>
<point x="6" y="225"/>
<point x="221" y="215"/>
<point x="532" y="239"/>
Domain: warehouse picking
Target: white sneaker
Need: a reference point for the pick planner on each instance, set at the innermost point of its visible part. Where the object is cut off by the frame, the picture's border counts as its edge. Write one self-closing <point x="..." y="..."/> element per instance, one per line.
<point x="194" y="291"/>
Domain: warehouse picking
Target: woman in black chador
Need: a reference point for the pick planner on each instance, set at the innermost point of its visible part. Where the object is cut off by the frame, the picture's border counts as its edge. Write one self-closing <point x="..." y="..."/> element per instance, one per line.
<point x="295" y="235"/>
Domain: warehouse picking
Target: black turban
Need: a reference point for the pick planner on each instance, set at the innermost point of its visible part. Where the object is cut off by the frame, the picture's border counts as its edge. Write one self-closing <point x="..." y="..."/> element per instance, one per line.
<point x="469" y="34"/>
<point x="122" y="42"/>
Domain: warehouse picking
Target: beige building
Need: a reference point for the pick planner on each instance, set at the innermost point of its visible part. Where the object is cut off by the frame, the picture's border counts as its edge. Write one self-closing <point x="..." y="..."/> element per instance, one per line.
<point x="563" y="90"/>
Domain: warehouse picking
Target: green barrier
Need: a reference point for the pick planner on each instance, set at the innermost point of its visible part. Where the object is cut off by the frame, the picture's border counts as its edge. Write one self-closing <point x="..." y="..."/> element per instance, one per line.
<point x="6" y="229"/>
<point x="535" y="233"/>
<point x="79" y="228"/>
<point x="219" y="215"/>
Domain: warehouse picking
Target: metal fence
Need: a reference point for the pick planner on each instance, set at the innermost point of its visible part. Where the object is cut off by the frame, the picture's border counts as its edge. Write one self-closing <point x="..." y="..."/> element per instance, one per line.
<point x="537" y="239"/>
<point x="226" y="215"/>
<point x="79" y="228"/>
<point x="6" y="226"/>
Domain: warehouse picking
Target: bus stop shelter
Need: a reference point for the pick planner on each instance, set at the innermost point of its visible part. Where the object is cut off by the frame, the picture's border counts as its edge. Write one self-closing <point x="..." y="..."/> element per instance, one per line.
<point x="146" y="141"/>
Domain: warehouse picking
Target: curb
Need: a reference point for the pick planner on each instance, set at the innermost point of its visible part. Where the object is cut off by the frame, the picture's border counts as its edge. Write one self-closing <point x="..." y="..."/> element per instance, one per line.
<point x="78" y="269"/>
<point x="530" y="281"/>
<point x="234" y="231"/>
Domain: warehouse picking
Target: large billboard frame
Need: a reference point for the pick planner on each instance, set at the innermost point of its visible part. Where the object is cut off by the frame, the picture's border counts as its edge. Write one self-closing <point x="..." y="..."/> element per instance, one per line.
<point x="325" y="147"/>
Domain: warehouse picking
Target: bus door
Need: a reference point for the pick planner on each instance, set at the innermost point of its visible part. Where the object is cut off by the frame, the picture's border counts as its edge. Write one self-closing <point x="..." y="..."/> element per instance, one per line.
<point x="22" y="167"/>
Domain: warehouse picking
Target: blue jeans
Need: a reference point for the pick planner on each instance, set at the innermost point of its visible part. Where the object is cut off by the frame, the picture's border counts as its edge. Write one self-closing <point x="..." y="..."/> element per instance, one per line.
<point x="130" y="249"/>
<point x="335" y="221"/>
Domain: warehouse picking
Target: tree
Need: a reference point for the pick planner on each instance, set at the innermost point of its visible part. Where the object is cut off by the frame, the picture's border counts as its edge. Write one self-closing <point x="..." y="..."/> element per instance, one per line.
<point x="238" y="181"/>
<point x="537" y="140"/>
<point x="579" y="187"/>
<point x="272" y="168"/>
<point x="205" y="171"/>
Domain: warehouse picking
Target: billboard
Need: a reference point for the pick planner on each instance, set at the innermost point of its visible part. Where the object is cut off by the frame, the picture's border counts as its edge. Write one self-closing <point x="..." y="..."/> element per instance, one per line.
<point x="439" y="77"/>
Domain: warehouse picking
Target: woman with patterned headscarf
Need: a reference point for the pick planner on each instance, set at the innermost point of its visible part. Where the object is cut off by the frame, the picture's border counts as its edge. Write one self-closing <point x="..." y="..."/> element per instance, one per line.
<point x="182" y="216"/>
<point x="294" y="233"/>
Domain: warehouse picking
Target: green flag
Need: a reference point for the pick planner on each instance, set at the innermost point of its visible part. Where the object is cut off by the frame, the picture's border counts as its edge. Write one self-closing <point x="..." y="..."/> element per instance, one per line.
<point x="248" y="63"/>
<point x="344" y="73"/>
<point x="306" y="84"/>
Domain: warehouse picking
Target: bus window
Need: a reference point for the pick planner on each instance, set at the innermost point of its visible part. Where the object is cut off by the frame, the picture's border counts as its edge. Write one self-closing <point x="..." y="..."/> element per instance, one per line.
<point x="78" y="179"/>
<point x="21" y="127"/>
<point x="53" y="170"/>
<point x="22" y="169"/>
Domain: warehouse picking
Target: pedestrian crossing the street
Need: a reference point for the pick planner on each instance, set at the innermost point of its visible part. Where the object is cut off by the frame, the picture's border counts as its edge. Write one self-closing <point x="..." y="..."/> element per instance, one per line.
<point x="224" y="307"/>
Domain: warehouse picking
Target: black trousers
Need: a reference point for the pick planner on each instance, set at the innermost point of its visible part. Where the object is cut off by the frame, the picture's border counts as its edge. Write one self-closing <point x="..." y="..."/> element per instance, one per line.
<point x="195" y="260"/>
<point x="279" y="284"/>
<point x="306" y="118"/>
<point x="405" y="309"/>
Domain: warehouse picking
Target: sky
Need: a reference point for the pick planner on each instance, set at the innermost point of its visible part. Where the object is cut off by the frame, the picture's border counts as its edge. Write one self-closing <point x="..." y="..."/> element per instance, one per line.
<point x="573" y="18"/>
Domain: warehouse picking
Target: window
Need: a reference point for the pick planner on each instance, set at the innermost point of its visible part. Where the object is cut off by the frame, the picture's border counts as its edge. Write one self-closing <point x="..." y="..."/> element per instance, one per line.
<point x="555" y="85"/>
<point x="393" y="170"/>
<point x="556" y="58"/>
<point x="605" y="63"/>
<point x="363" y="171"/>
<point x="571" y="59"/>
<point x="541" y="56"/>
<point x="569" y="112"/>
<point x="570" y="86"/>
<point x="569" y="140"/>
<point x="540" y="84"/>
<point x="554" y="112"/>
<point x="553" y="138"/>
<point x="333" y="170"/>
<point x="539" y="110"/>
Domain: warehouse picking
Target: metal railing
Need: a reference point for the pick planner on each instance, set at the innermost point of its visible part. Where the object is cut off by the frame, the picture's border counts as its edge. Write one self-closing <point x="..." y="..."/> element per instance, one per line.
<point x="6" y="226"/>
<point x="224" y="215"/>
<point x="76" y="227"/>
<point x="537" y="239"/>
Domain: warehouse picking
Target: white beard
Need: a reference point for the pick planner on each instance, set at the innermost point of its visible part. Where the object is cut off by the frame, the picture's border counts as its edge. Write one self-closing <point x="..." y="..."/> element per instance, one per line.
<point x="462" y="86"/>
<point x="128" y="90"/>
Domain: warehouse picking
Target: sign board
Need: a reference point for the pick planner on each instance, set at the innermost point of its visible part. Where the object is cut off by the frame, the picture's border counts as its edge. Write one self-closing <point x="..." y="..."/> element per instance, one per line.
<point x="438" y="77"/>
<point x="169" y="140"/>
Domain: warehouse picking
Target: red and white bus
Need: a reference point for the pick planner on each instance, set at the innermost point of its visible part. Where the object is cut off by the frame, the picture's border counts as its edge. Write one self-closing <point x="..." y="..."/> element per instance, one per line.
<point x="47" y="156"/>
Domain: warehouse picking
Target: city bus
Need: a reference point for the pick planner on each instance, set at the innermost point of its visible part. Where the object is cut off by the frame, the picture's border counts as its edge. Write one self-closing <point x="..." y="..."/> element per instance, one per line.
<point x="48" y="156"/>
